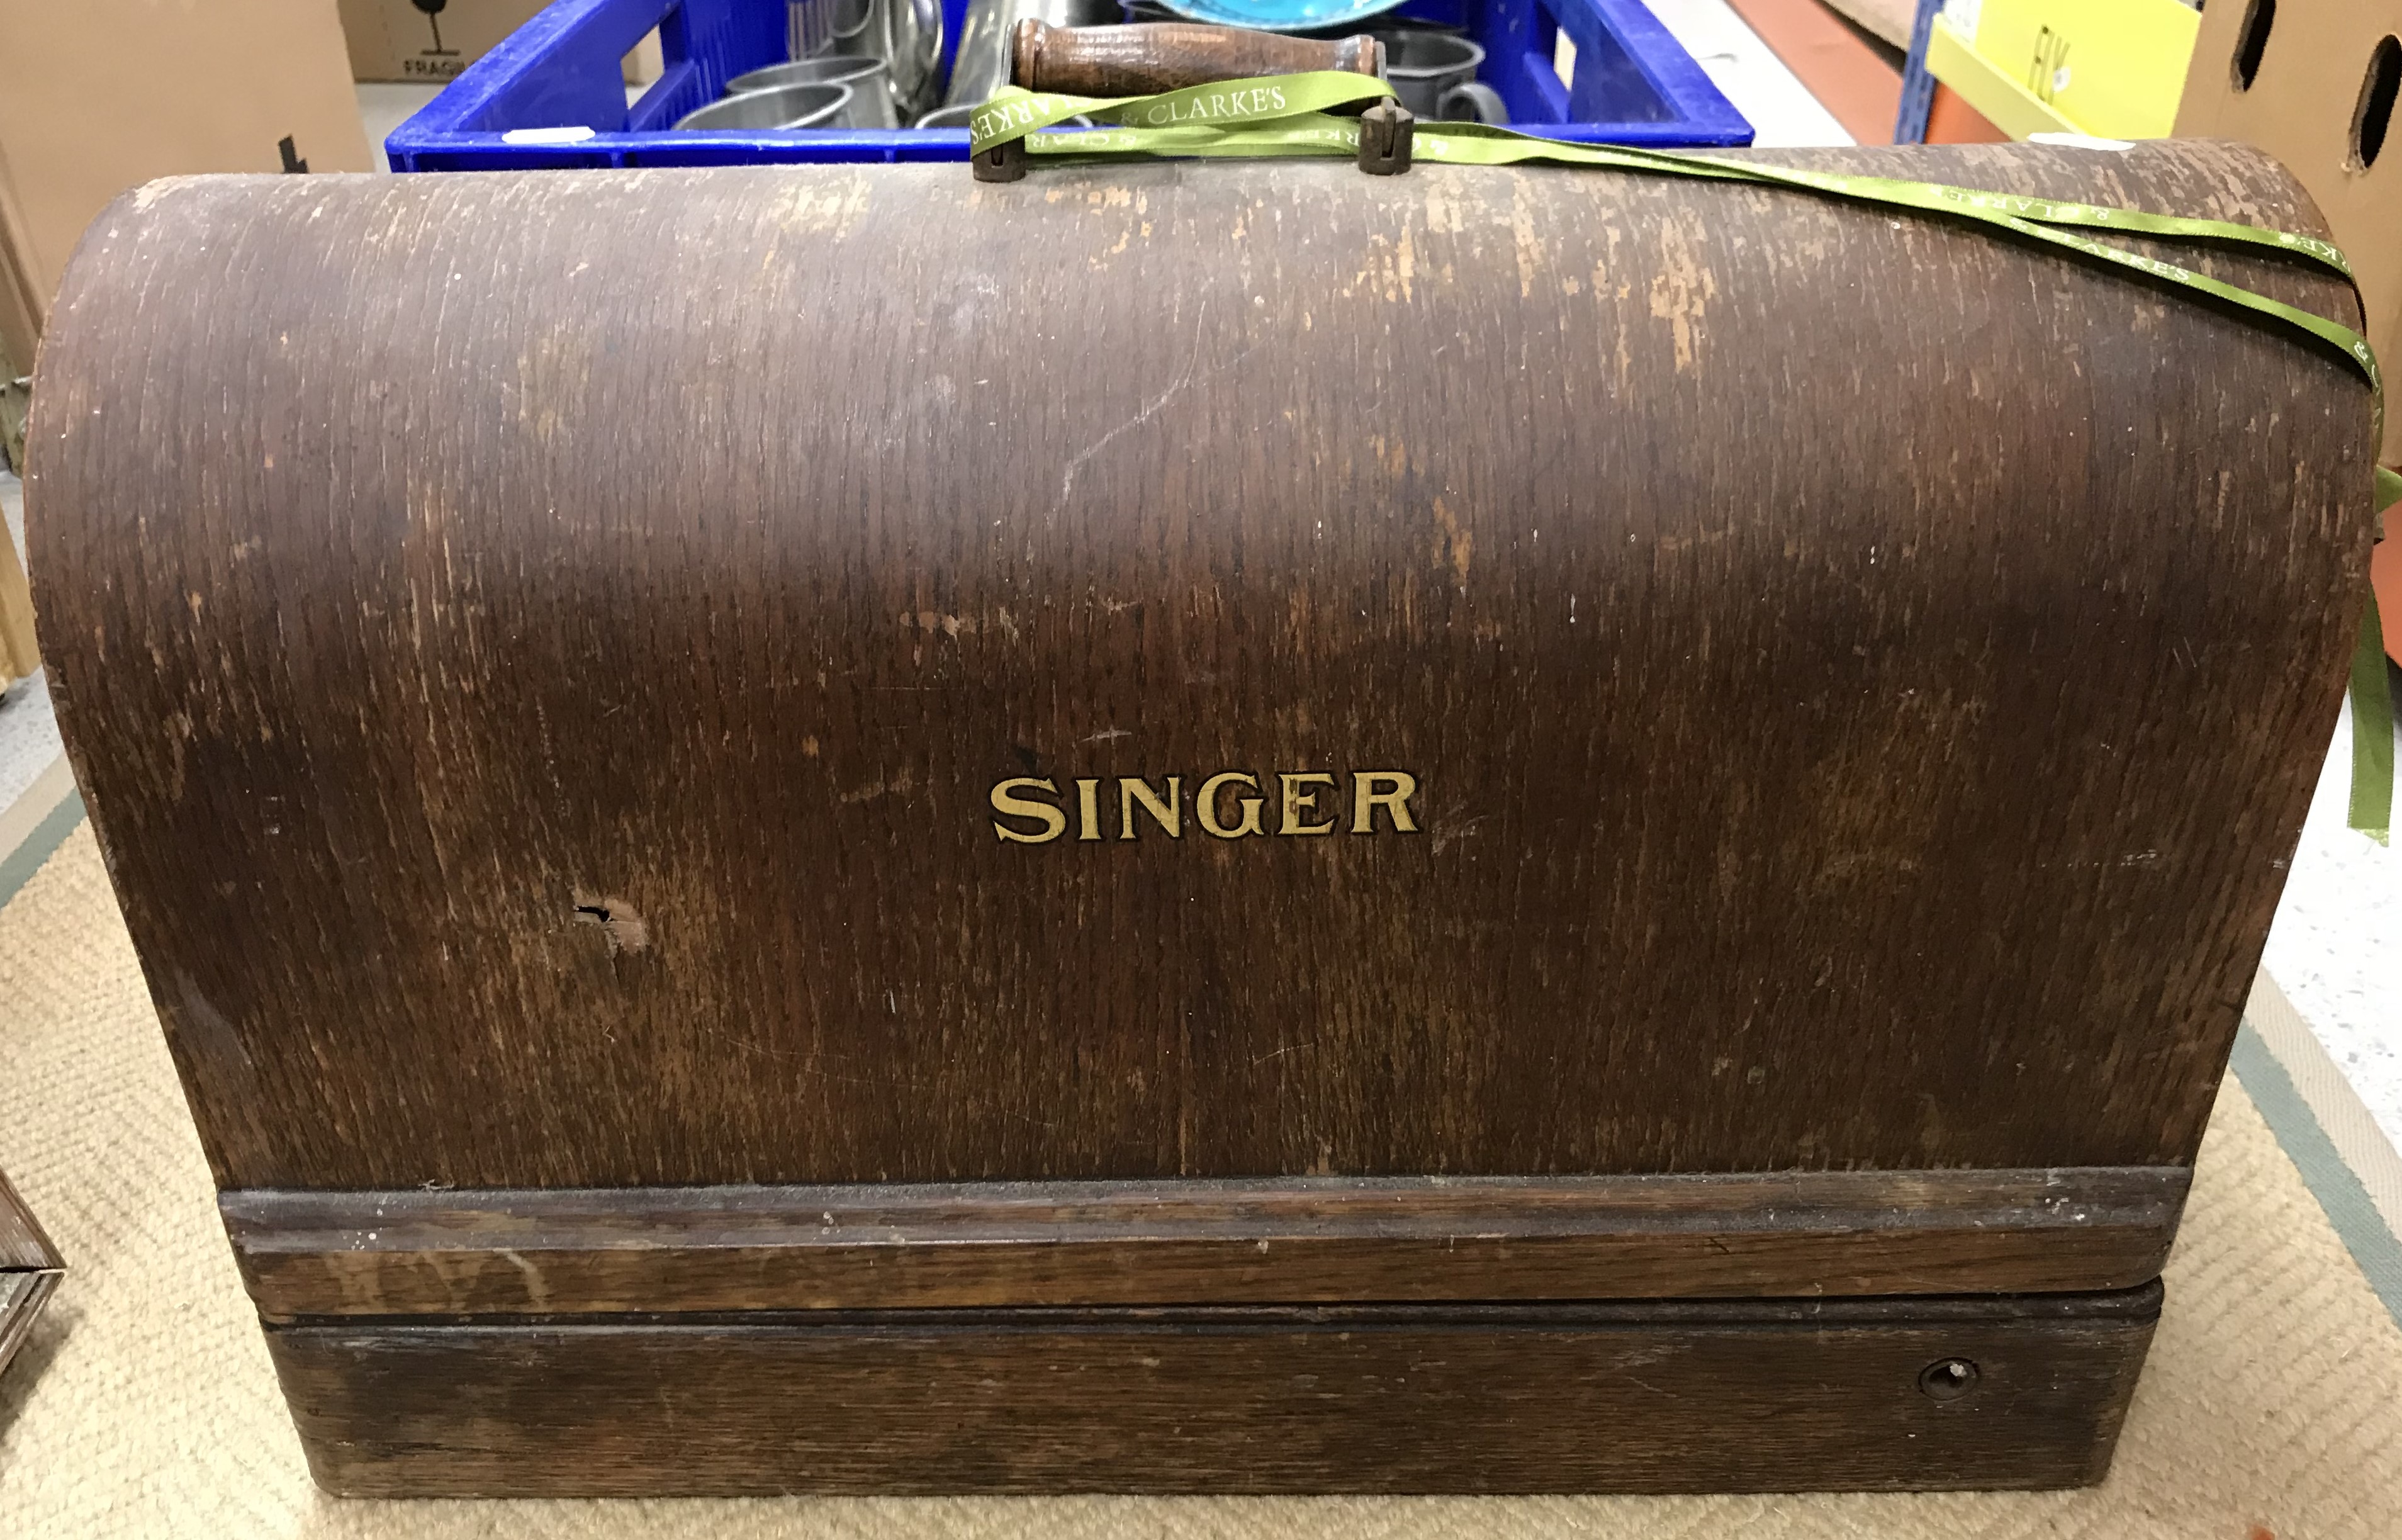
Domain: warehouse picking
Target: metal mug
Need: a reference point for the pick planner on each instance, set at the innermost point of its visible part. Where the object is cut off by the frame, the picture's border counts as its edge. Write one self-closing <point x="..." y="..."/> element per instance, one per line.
<point x="1421" y="63"/>
<point x="844" y="26"/>
<point x="810" y="107"/>
<point x="981" y="65"/>
<point x="806" y="32"/>
<point x="908" y="35"/>
<point x="1472" y="101"/>
<point x="867" y="76"/>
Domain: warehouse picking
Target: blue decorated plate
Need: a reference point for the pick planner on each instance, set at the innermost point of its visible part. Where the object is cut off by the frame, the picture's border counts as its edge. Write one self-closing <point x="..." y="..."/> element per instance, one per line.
<point x="1280" y="15"/>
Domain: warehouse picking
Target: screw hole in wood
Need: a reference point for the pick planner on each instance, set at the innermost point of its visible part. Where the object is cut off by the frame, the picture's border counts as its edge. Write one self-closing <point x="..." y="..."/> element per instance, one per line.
<point x="1948" y="1378"/>
<point x="626" y="930"/>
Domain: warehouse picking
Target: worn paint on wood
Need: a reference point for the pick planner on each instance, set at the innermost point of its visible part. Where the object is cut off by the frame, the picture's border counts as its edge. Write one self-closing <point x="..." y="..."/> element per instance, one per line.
<point x="615" y="1249"/>
<point x="1862" y="676"/>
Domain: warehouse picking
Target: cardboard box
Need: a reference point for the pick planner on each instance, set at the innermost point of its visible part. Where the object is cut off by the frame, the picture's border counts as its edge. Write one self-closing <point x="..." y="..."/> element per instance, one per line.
<point x="428" y="41"/>
<point x="22" y="296"/>
<point x="2314" y="101"/>
<point x="1887" y="20"/>
<point x="19" y="655"/>
<point x="103" y="95"/>
<point x="432" y="40"/>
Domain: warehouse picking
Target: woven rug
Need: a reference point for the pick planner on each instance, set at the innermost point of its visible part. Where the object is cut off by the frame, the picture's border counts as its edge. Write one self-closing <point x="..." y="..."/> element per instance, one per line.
<point x="144" y="1404"/>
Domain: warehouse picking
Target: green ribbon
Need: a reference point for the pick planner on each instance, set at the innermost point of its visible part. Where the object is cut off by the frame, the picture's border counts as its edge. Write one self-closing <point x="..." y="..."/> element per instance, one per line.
<point x="1016" y="113"/>
<point x="1287" y="115"/>
<point x="2371" y="811"/>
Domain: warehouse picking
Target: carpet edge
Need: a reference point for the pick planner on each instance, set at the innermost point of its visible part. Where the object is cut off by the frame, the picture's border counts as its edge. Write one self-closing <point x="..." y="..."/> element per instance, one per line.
<point x="33" y="827"/>
<point x="2340" y="1192"/>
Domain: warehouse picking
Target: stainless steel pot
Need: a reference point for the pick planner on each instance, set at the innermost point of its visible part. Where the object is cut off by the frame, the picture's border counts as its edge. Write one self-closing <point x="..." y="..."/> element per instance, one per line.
<point x="867" y="76"/>
<point x="844" y="26"/>
<point x="806" y="33"/>
<point x="908" y="35"/>
<point x="809" y="106"/>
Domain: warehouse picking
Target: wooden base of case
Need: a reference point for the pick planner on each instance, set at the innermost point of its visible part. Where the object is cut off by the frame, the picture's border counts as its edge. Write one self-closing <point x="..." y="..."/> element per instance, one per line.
<point x="1862" y="1394"/>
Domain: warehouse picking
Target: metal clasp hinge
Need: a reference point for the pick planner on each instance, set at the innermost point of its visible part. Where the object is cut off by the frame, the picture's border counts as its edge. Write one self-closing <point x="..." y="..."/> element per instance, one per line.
<point x="1386" y="131"/>
<point x="1003" y="162"/>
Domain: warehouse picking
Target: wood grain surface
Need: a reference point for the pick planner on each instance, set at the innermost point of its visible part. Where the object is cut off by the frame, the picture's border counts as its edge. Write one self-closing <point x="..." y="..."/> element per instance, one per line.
<point x="1764" y="1395"/>
<point x="1155" y="56"/>
<point x="539" y="649"/>
<point x="711" y="1249"/>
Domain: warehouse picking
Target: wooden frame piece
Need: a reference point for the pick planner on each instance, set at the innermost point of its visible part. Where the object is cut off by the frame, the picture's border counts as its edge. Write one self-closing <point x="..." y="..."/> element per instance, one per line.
<point x="1392" y="1335"/>
<point x="599" y="1251"/>
<point x="30" y="1269"/>
<point x="1760" y="1396"/>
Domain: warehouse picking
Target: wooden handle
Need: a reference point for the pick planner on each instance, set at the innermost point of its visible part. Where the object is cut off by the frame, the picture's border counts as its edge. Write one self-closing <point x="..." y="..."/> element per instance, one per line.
<point x="1156" y="56"/>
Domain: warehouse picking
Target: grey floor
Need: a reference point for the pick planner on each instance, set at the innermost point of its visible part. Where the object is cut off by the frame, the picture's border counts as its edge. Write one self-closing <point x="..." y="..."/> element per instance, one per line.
<point x="29" y="733"/>
<point x="2336" y="947"/>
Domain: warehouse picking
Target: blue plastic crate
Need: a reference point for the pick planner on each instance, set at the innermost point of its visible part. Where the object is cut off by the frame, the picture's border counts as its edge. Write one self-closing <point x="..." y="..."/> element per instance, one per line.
<point x="563" y="71"/>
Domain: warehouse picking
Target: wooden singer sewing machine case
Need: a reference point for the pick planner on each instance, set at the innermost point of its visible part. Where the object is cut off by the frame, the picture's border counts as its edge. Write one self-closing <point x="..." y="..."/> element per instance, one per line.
<point x="1193" y="828"/>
